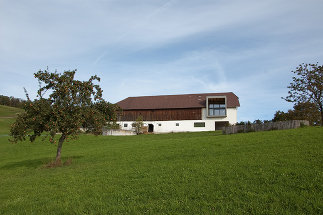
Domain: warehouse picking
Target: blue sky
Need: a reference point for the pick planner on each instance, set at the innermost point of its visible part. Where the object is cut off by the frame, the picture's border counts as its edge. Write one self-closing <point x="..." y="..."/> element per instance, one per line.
<point x="158" y="47"/>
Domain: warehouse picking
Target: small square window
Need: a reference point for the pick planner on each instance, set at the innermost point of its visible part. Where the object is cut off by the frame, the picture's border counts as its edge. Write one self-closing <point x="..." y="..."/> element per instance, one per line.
<point x="125" y="125"/>
<point x="177" y="124"/>
<point x="159" y="124"/>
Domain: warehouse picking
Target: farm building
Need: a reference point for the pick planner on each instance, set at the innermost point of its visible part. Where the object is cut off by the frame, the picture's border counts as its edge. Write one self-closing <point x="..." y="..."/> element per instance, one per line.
<point x="180" y="113"/>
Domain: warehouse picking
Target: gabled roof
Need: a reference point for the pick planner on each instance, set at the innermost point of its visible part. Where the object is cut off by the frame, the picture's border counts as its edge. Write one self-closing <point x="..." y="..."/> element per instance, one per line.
<point x="174" y="101"/>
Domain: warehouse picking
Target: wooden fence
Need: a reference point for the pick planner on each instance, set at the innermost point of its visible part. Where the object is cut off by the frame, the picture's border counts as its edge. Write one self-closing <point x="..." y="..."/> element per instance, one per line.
<point x="264" y="126"/>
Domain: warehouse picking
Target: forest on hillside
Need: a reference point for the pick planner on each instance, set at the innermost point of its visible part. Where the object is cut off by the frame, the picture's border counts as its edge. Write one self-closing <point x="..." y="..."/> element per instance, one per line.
<point x="11" y="101"/>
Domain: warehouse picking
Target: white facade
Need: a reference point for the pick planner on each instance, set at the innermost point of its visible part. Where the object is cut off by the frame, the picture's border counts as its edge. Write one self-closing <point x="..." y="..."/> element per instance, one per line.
<point x="186" y="125"/>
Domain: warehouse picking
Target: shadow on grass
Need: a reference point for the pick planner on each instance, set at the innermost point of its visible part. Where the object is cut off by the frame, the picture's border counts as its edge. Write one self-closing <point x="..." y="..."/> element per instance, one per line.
<point x="36" y="163"/>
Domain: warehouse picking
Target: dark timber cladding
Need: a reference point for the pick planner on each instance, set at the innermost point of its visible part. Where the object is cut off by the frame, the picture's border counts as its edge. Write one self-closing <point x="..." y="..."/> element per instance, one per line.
<point x="163" y="114"/>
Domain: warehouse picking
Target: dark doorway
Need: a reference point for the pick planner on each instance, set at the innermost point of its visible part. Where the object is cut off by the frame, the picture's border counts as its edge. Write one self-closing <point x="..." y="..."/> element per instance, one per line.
<point x="150" y="128"/>
<point x="220" y="125"/>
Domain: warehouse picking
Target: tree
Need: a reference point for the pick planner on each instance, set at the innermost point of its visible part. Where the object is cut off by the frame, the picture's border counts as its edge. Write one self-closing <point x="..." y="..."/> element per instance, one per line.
<point x="307" y="111"/>
<point x="257" y="121"/>
<point x="72" y="104"/>
<point x="282" y="116"/>
<point x="110" y="112"/>
<point x="138" y="124"/>
<point x="307" y="86"/>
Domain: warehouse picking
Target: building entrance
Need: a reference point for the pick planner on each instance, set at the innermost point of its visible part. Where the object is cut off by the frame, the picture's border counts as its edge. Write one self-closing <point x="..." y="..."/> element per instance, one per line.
<point x="220" y="125"/>
<point x="150" y="128"/>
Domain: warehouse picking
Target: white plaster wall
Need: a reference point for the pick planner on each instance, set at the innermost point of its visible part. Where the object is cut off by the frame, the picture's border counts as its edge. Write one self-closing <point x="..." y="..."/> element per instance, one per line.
<point x="184" y="126"/>
<point x="170" y="126"/>
<point x="126" y="122"/>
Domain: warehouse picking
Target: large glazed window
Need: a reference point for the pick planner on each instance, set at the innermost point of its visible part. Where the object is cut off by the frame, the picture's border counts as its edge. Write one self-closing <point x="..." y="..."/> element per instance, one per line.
<point x="216" y="107"/>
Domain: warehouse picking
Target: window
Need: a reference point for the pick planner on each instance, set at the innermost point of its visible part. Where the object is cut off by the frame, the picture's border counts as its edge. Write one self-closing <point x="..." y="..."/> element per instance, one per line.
<point x="159" y="124"/>
<point x="125" y="125"/>
<point x="177" y="124"/>
<point x="216" y="106"/>
<point x="199" y="124"/>
<point x="217" y="110"/>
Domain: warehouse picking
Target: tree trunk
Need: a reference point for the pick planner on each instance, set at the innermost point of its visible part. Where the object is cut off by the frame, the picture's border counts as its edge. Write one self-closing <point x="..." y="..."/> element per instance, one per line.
<point x="59" y="148"/>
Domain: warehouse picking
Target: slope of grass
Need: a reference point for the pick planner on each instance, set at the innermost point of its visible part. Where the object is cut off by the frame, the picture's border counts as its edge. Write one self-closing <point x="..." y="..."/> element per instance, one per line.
<point x="7" y="117"/>
<point x="276" y="172"/>
<point x="7" y="112"/>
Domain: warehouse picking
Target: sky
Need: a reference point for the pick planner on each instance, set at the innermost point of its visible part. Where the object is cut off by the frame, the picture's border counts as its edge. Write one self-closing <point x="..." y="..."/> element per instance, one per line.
<point x="164" y="47"/>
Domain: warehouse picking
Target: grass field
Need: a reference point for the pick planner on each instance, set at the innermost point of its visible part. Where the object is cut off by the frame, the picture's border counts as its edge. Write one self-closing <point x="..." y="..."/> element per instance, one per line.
<point x="276" y="172"/>
<point x="7" y="117"/>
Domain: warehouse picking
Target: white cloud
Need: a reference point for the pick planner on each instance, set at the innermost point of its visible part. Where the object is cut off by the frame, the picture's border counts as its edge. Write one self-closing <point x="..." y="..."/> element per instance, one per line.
<point x="49" y="29"/>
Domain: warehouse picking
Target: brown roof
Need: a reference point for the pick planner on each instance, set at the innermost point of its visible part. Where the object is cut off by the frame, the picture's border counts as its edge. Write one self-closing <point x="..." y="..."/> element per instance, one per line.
<point x="174" y="101"/>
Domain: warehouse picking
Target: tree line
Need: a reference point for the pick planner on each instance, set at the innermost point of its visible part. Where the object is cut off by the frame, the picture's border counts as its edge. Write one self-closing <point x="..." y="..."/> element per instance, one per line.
<point x="12" y="101"/>
<point x="306" y="93"/>
<point x="301" y="111"/>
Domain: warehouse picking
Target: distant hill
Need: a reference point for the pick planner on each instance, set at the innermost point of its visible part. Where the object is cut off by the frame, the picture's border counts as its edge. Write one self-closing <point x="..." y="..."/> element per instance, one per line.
<point x="11" y="101"/>
<point x="7" y="117"/>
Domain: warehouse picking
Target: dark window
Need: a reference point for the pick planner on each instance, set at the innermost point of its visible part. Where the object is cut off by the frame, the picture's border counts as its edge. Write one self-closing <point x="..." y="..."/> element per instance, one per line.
<point x="177" y="124"/>
<point x="199" y="124"/>
<point x="125" y="125"/>
<point x="159" y="124"/>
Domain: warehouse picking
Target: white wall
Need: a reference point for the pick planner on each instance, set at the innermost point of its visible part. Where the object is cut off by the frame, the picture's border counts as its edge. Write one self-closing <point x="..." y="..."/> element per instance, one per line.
<point x="186" y="125"/>
<point x="170" y="126"/>
<point x="231" y="116"/>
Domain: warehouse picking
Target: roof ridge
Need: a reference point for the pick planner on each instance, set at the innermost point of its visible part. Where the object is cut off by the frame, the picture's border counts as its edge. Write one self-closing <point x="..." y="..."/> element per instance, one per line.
<point x="180" y="94"/>
<point x="175" y="101"/>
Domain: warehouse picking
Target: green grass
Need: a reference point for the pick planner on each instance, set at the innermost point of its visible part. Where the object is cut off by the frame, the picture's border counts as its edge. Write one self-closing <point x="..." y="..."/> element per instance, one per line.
<point x="7" y="117"/>
<point x="275" y="172"/>
<point x="6" y="111"/>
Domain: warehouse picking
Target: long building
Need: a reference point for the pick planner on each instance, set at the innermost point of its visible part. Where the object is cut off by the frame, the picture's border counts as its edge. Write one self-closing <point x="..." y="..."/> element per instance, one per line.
<point x="180" y="113"/>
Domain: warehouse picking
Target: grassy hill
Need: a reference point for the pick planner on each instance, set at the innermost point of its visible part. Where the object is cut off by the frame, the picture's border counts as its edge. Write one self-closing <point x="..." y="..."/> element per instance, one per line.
<point x="6" y="111"/>
<point x="276" y="172"/>
<point x="7" y="117"/>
